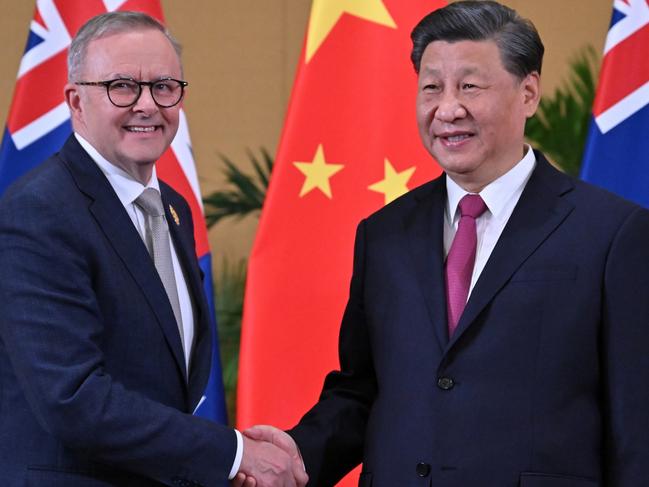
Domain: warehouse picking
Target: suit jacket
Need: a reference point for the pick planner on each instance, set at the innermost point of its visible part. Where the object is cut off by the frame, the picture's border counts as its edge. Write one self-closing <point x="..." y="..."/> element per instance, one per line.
<point x="93" y="388"/>
<point x="544" y="382"/>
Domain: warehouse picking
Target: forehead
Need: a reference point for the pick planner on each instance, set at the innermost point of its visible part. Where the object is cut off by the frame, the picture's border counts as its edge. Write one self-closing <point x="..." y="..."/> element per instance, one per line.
<point x="142" y="51"/>
<point x="461" y="56"/>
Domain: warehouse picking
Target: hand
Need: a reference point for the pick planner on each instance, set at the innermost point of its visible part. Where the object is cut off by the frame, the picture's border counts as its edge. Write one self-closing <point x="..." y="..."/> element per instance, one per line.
<point x="281" y="439"/>
<point x="267" y="465"/>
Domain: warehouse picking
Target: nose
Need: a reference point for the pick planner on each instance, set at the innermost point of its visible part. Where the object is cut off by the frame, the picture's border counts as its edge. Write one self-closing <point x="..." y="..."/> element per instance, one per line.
<point x="450" y="108"/>
<point x="145" y="103"/>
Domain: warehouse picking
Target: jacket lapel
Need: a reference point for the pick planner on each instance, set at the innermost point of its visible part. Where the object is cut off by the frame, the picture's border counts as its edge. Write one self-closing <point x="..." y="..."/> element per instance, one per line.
<point x="538" y="213"/>
<point x="181" y="233"/>
<point x="425" y="233"/>
<point x="122" y="235"/>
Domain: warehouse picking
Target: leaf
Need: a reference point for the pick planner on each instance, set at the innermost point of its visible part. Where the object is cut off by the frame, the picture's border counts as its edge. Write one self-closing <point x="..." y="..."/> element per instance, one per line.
<point x="245" y="193"/>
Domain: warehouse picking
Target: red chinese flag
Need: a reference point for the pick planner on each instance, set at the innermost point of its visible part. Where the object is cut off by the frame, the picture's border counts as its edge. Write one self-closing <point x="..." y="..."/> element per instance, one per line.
<point x="350" y="145"/>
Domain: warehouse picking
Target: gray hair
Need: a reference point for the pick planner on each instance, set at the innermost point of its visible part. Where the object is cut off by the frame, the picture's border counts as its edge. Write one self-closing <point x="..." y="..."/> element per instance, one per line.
<point x="108" y="24"/>
<point x="519" y="43"/>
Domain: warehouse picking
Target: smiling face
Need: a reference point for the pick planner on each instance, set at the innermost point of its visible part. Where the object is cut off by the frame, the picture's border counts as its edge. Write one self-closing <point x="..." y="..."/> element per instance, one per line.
<point x="471" y="112"/>
<point x="131" y="138"/>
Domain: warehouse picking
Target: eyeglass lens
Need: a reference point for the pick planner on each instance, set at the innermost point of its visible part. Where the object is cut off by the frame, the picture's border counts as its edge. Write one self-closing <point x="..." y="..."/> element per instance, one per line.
<point x="166" y="93"/>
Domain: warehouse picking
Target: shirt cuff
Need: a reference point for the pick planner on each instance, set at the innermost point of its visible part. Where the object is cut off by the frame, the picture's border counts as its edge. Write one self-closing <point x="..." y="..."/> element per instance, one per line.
<point x="237" y="457"/>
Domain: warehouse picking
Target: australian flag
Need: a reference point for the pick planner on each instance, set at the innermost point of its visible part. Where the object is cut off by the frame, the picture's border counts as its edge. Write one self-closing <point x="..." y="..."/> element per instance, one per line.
<point x="617" y="150"/>
<point x="39" y="123"/>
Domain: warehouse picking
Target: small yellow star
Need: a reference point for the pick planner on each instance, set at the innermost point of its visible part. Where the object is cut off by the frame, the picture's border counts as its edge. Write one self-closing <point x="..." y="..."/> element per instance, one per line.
<point x="394" y="184"/>
<point x="326" y="13"/>
<point x="317" y="173"/>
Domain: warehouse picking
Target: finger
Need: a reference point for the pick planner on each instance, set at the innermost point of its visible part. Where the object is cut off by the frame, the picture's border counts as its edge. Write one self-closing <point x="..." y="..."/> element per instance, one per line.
<point x="291" y="482"/>
<point x="275" y="436"/>
<point x="241" y="480"/>
<point x="260" y="432"/>
<point x="238" y="480"/>
<point x="301" y="477"/>
<point x="286" y="443"/>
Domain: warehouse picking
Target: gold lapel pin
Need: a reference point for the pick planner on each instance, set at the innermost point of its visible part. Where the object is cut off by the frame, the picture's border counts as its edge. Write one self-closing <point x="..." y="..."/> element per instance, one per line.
<point x="174" y="215"/>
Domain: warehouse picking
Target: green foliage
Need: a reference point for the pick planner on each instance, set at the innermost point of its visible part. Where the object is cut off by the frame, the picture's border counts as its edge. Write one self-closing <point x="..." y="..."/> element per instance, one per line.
<point x="247" y="192"/>
<point x="244" y="196"/>
<point x="560" y="125"/>
<point x="229" y="288"/>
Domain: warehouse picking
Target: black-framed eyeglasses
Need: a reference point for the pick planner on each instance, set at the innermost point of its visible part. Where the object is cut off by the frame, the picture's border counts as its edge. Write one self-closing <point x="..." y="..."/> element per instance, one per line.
<point x="125" y="92"/>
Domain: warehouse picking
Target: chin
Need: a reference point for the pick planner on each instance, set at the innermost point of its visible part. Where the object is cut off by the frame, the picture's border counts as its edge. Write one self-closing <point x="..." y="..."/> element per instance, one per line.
<point x="147" y="154"/>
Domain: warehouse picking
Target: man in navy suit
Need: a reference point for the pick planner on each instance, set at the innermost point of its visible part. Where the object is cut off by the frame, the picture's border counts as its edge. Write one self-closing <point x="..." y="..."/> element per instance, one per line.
<point x="104" y="336"/>
<point x="537" y="376"/>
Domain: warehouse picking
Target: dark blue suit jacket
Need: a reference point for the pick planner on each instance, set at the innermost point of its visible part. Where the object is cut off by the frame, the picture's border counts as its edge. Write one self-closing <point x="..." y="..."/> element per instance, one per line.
<point x="92" y="374"/>
<point x="544" y="383"/>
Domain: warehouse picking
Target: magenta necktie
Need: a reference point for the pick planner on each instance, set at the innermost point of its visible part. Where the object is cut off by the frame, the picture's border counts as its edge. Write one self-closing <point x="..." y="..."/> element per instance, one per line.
<point x="461" y="257"/>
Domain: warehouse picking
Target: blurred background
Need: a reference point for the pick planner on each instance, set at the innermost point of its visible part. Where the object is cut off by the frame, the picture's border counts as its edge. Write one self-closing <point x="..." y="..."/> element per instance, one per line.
<point x="240" y="58"/>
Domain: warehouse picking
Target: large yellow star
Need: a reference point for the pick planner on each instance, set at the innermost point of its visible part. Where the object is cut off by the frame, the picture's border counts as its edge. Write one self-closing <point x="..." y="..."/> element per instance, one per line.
<point x="326" y="13"/>
<point x="317" y="173"/>
<point x="394" y="183"/>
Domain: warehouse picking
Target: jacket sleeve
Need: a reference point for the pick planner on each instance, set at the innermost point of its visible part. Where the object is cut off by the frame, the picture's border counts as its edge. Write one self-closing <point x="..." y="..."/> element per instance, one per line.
<point x="625" y="357"/>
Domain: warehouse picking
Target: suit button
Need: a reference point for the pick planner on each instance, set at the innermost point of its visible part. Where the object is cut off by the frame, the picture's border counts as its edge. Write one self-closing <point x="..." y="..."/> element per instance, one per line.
<point x="445" y="383"/>
<point x="423" y="469"/>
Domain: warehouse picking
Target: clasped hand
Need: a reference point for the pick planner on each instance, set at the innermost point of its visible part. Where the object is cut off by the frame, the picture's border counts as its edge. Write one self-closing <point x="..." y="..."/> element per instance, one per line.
<point x="270" y="459"/>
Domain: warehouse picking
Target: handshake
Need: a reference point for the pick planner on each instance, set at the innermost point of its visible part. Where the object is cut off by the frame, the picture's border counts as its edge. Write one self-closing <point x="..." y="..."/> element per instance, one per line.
<point x="270" y="459"/>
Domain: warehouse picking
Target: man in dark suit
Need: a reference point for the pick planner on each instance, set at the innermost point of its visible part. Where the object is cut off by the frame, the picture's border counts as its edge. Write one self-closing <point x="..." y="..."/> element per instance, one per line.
<point x="497" y="329"/>
<point x="104" y="336"/>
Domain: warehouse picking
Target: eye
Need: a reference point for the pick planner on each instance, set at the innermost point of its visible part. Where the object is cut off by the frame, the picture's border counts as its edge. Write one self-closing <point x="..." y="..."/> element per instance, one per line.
<point x="431" y="87"/>
<point x="123" y="85"/>
<point x="469" y="86"/>
<point x="162" y="86"/>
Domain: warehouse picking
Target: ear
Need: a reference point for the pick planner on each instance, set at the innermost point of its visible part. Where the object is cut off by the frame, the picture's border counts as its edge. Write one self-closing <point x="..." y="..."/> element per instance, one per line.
<point x="73" y="100"/>
<point x="531" y="92"/>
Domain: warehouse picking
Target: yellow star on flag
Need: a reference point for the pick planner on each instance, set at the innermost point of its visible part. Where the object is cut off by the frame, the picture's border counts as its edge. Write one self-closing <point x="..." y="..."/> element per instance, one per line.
<point x="326" y="13"/>
<point x="394" y="184"/>
<point x="317" y="173"/>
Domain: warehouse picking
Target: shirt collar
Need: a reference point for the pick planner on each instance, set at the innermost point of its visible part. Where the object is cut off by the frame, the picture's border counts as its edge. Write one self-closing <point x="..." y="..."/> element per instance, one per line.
<point x="125" y="186"/>
<point x="497" y="193"/>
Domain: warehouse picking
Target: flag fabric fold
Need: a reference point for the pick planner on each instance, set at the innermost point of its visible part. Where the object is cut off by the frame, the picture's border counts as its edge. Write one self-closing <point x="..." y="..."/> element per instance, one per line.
<point x="349" y="146"/>
<point x="39" y="123"/>
<point x="617" y="149"/>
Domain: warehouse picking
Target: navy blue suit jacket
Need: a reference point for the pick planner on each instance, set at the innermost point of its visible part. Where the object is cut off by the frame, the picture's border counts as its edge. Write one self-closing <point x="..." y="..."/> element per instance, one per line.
<point x="544" y="383"/>
<point x="92" y="374"/>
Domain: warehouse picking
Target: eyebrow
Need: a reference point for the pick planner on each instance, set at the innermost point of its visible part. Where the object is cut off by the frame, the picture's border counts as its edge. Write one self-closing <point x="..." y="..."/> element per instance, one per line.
<point x="436" y="72"/>
<point x="112" y="76"/>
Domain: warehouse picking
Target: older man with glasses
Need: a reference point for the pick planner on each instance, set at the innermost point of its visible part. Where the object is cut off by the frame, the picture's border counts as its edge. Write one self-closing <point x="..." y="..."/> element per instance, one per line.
<point x="104" y="336"/>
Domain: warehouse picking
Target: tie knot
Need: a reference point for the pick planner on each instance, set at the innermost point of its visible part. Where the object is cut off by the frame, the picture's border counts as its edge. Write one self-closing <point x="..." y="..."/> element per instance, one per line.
<point x="151" y="202"/>
<point x="472" y="205"/>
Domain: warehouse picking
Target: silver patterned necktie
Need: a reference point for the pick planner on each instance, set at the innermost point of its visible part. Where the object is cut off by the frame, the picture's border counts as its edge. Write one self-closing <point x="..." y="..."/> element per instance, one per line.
<point x="158" y="243"/>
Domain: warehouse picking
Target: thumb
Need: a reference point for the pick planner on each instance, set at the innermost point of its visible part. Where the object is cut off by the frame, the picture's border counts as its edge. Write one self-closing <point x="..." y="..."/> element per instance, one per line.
<point x="260" y="433"/>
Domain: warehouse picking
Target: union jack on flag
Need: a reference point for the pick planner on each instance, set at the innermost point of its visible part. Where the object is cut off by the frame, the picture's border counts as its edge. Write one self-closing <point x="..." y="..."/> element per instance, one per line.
<point x="616" y="156"/>
<point x="39" y="123"/>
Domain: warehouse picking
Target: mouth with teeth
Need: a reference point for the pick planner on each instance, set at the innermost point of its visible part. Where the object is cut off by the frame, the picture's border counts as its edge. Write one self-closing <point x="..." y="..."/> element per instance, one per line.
<point x="454" y="139"/>
<point x="141" y="129"/>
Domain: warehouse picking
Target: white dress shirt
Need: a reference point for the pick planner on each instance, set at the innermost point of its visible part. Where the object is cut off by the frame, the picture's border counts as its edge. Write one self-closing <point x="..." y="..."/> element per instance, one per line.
<point x="128" y="190"/>
<point x="501" y="197"/>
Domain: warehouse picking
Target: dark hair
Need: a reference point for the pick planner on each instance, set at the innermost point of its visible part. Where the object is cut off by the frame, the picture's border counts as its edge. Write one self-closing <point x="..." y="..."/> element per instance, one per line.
<point x="520" y="46"/>
<point x="108" y="24"/>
